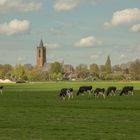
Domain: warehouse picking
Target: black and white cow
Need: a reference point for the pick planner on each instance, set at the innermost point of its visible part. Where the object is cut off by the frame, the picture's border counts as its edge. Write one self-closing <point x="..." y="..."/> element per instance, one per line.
<point x="84" y="89"/>
<point x="66" y="92"/>
<point x="99" y="92"/>
<point x="1" y="89"/>
<point x="111" y="90"/>
<point x="126" y="90"/>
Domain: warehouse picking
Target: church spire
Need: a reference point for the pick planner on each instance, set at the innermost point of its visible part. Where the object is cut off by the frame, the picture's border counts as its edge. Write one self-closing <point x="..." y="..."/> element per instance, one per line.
<point x="41" y="44"/>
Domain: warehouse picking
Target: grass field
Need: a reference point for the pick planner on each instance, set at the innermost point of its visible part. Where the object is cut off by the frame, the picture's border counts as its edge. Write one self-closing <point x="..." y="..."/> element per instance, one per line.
<point x="33" y="111"/>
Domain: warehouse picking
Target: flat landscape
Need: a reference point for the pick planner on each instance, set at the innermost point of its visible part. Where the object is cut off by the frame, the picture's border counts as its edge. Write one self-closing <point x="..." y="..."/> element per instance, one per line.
<point x="34" y="111"/>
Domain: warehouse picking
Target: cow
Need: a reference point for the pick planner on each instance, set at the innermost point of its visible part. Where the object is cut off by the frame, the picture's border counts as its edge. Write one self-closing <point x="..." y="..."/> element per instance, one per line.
<point x="84" y="89"/>
<point x="1" y="89"/>
<point x="127" y="89"/>
<point x="111" y="90"/>
<point x="99" y="92"/>
<point x="66" y="92"/>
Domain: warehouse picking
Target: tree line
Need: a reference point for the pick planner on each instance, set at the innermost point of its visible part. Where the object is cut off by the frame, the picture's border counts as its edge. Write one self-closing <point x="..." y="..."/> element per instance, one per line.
<point x="58" y="71"/>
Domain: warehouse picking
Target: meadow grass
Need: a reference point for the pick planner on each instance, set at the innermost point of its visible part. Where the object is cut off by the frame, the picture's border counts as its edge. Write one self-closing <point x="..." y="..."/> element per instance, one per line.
<point x="33" y="111"/>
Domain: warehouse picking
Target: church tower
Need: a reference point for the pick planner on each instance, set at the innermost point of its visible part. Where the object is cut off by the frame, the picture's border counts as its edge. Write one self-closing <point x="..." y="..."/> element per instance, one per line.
<point x="41" y="55"/>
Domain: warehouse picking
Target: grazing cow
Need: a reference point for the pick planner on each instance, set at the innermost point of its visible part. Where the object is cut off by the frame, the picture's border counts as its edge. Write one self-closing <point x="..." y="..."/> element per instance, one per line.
<point x="99" y="92"/>
<point x="127" y="89"/>
<point x="66" y="92"/>
<point x="111" y="90"/>
<point x="84" y="89"/>
<point x="1" y="89"/>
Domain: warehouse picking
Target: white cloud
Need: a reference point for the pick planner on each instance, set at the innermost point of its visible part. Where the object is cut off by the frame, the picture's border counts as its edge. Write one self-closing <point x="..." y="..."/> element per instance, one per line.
<point x="15" y="27"/>
<point x="122" y="56"/>
<point x="95" y="56"/>
<point x="18" y="5"/>
<point x="66" y="5"/>
<point x="19" y="59"/>
<point x="53" y="46"/>
<point x="123" y="16"/>
<point x="135" y="28"/>
<point x="56" y="31"/>
<point x="88" y="42"/>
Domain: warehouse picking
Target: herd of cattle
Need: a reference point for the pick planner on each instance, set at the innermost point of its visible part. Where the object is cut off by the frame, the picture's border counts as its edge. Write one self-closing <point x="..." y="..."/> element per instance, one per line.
<point x="68" y="92"/>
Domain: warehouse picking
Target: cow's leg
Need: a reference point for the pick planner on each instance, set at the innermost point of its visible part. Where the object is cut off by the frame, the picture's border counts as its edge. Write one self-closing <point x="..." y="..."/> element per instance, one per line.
<point x="71" y="95"/>
<point x="127" y="93"/>
<point x="97" y="95"/>
<point x="1" y="91"/>
<point x="132" y="92"/>
<point x="113" y="93"/>
<point x="89" y="92"/>
<point x="63" y="98"/>
<point x="103" y="95"/>
<point x="68" y="96"/>
<point x="83" y="93"/>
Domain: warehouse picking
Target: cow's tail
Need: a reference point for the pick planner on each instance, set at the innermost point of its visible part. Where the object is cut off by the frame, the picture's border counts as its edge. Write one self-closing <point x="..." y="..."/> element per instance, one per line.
<point x="78" y="93"/>
<point x="107" y="92"/>
<point x="121" y="93"/>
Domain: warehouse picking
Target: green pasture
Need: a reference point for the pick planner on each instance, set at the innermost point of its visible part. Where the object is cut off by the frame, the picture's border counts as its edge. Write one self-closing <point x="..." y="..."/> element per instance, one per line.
<point x="33" y="111"/>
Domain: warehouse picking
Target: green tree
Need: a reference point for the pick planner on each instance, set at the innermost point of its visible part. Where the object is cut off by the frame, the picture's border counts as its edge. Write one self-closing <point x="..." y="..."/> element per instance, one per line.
<point x="8" y="71"/>
<point x="94" y="70"/>
<point x="36" y="75"/>
<point x="108" y="68"/>
<point x="56" y="67"/>
<point x="116" y="68"/>
<point x="18" y="72"/>
<point x="135" y="69"/>
<point x="55" y="72"/>
<point x="82" y="71"/>
<point x="2" y="72"/>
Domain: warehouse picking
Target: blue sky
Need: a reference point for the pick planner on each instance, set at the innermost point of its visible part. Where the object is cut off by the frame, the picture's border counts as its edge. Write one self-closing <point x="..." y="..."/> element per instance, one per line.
<point x="73" y="31"/>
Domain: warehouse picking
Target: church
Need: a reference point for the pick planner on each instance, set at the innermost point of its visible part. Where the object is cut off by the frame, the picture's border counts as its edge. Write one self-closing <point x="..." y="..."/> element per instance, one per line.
<point x="41" y="55"/>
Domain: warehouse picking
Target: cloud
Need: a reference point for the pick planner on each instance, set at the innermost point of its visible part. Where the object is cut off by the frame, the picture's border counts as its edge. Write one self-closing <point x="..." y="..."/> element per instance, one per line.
<point x="135" y="28"/>
<point x="95" y="56"/>
<point x="88" y="42"/>
<point x="19" y="59"/>
<point x="18" y="5"/>
<point x="122" y="56"/>
<point x="15" y="27"/>
<point x="66" y="5"/>
<point x="52" y="46"/>
<point x="56" y="31"/>
<point x="122" y="17"/>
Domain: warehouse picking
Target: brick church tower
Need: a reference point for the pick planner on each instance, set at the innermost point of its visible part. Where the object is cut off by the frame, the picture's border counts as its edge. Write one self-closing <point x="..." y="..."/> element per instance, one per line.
<point x="41" y="55"/>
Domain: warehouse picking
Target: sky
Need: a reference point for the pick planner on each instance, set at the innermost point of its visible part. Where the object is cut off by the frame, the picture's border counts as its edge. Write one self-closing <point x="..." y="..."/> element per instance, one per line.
<point x="73" y="31"/>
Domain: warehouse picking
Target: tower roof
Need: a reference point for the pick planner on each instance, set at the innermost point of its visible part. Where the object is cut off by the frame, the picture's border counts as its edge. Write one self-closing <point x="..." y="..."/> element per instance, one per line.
<point x="41" y="43"/>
